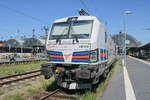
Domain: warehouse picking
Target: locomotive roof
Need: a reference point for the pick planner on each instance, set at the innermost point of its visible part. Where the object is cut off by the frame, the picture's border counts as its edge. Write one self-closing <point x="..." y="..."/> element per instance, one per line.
<point x="78" y="18"/>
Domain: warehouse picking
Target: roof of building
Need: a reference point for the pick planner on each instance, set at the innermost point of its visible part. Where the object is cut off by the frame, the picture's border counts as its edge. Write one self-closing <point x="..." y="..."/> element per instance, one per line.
<point x="146" y="46"/>
<point x="143" y="47"/>
<point x="24" y="42"/>
<point x="12" y="43"/>
<point x="119" y="40"/>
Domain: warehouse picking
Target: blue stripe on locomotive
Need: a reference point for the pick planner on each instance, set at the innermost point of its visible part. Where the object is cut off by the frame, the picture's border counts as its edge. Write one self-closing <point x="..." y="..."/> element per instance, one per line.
<point x="101" y="51"/>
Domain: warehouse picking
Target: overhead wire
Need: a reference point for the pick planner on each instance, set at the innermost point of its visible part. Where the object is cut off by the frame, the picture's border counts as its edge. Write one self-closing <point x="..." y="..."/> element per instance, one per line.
<point x="85" y="6"/>
<point x="89" y="10"/>
<point x="23" y="14"/>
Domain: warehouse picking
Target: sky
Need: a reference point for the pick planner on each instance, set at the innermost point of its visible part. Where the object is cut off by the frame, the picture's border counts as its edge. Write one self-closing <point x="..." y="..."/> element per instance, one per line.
<point x="19" y="17"/>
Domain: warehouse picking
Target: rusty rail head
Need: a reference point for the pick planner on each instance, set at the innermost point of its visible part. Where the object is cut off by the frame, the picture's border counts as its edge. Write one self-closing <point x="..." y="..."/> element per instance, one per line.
<point x="10" y="76"/>
<point x="50" y="94"/>
<point x="23" y="61"/>
<point x="18" y="79"/>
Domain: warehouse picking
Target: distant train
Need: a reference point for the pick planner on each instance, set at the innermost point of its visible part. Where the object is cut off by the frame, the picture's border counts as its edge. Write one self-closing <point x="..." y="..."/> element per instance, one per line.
<point x="80" y="51"/>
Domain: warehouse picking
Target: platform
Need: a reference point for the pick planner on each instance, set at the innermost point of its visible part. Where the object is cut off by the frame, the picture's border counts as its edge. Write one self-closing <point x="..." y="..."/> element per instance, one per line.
<point x="129" y="83"/>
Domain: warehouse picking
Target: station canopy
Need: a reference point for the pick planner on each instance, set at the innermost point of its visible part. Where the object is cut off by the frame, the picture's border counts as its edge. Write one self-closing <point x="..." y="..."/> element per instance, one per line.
<point x="30" y="42"/>
<point x="146" y="46"/>
<point x="24" y="43"/>
<point x="12" y="43"/>
<point x="131" y="41"/>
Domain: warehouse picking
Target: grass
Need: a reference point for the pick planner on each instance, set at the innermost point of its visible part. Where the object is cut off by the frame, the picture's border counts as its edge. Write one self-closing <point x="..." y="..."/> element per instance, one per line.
<point x="10" y="87"/>
<point x="32" y="90"/>
<point x="46" y="83"/>
<point x="15" y="96"/>
<point x="24" y="94"/>
<point x="147" y="92"/>
<point x="89" y="95"/>
<point x="27" y="84"/>
<point x="1" y="92"/>
<point x="16" y="69"/>
<point x="148" y="59"/>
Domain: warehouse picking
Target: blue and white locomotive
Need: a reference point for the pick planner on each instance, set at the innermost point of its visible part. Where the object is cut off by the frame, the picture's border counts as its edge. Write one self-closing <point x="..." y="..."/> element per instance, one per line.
<point x="80" y="51"/>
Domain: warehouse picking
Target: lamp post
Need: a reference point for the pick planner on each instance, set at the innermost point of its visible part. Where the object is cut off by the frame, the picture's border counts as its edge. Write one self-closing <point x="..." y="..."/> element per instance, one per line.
<point x="125" y="13"/>
<point x="37" y="46"/>
<point x="46" y="33"/>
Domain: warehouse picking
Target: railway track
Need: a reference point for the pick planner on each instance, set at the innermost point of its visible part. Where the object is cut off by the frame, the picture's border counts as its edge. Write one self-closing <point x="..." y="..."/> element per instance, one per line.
<point x="58" y="94"/>
<point x="20" y="62"/>
<point x="18" y="77"/>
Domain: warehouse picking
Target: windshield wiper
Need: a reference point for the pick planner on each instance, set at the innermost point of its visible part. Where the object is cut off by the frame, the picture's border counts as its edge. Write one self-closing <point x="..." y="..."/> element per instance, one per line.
<point x="59" y="38"/>
<point x="76" y="38"/>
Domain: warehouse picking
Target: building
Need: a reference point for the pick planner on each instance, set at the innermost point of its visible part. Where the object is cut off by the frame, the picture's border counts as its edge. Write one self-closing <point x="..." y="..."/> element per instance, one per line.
<point x="140" y="52"/>
<point x="23" y="45"/>
<point x="119" y="39"/>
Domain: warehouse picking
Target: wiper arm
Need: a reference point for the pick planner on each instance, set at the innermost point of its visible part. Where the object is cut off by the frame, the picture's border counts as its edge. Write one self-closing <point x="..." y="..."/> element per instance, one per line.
<point x="57" y="40"/>
<point x="76" y="39"/>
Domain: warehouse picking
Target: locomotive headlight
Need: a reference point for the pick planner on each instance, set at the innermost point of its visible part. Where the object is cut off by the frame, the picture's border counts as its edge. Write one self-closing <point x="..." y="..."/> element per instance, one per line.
<point x="94" y="55"/>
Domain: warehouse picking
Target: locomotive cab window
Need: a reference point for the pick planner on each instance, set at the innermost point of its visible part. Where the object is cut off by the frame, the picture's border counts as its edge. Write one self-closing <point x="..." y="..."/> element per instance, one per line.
<point x="81" y="29"/>
<point x="75" y="29"/>
<point x="59" y="30"/>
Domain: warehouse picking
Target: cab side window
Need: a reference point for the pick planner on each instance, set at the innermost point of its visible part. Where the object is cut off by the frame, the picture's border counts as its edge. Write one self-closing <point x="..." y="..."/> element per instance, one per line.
<point x="105" y="37"/>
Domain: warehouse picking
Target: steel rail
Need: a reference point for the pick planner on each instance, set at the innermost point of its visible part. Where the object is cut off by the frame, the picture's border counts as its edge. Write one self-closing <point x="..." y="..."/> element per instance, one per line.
<point x="58" y="95"/>
<point x="8" y="79"/>
<point x="50" y="94"/>
<point x="23" y="61"/>
<point x="10" y="76"/>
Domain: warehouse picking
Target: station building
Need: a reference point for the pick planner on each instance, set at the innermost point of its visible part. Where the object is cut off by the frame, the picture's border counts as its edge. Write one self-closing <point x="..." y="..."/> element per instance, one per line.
<point x="23" y="46"/>
<point x="119" y="39"/>
<point x="142" y="52"/>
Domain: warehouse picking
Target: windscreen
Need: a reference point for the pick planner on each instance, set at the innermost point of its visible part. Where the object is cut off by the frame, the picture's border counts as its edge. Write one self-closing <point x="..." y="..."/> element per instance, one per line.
<point x="81" y="29"/>
<point x="59" y="30"/>
<point x="74" y="29"/>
